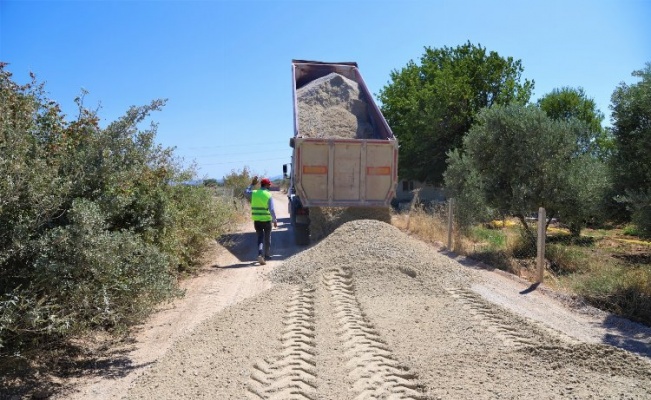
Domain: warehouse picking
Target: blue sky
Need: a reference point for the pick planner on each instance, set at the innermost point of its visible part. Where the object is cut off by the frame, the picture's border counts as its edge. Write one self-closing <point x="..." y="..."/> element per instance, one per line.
<point x="224" y="66"/>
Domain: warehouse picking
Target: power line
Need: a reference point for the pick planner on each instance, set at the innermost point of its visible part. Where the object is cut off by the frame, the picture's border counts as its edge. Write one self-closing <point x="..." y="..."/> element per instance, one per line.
<point x="238" y="145"/>
<point x="239" y="153"/>
<point x="243" y="162"/>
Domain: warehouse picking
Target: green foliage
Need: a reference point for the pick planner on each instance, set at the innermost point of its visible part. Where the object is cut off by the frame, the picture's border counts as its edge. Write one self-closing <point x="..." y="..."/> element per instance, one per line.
<point x="623" y="291"/>
<point x="519" y="160"/>
<point x="581" y="200"/>
<point x="463" y="183"/>
<point x="630" y="230"/>
<point x="239" y="180"/>
<point x="630" y="164"/>
<point x="195" y="216"/>
<point x="639" y="204"/>
<point x="95" y="228"/>
<point x="496" y="239"/>
<point x="568" y="103"/>
<point x="210" y="182"/>
<point x="431" y="106"/>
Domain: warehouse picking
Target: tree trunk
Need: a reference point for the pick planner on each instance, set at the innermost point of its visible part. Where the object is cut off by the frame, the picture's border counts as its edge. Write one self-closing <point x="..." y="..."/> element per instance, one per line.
<point x="527" y="228"/>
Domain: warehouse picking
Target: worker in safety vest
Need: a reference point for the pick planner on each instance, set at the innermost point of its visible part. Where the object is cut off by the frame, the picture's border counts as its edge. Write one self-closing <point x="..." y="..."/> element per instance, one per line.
<point x="263" y="215"/>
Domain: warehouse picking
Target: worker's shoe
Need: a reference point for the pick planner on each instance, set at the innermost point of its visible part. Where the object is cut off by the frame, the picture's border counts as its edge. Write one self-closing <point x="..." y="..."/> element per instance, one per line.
<point x="261" y="260"/>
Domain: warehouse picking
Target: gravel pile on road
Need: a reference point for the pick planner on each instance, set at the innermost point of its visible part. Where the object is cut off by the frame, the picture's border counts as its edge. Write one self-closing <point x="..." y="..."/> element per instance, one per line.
<point x="370" y="247"/>
<point x="418" y="307"/>
<point x="369" y="312"/>
<point x="324" y="220"/>
<point x="333" y="107"/>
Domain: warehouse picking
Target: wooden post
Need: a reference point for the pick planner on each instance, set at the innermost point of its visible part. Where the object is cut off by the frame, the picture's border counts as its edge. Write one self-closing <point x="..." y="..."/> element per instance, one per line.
<point x="450" y="219"/>
<point x="542" y="233"/>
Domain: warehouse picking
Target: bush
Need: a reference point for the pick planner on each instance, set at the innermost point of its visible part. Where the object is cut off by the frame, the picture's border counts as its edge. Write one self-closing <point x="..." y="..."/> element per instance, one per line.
<point x="95" y="224"/>
<point x="195" y="217"/>
<point x="85" y="277"/>
<point x="564" y="259"/>
<point x="239" y="181"/>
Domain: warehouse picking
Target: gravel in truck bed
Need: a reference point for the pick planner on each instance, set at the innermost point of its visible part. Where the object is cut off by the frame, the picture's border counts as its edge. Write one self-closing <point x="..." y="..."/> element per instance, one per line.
<point x="333" y="107"/>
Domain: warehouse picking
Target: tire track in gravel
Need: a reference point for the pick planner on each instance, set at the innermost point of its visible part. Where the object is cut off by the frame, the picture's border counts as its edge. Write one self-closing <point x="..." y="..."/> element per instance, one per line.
<point x="371" y="365"/>
<point x="501" y="322"/>
<point x="292" y="373"/>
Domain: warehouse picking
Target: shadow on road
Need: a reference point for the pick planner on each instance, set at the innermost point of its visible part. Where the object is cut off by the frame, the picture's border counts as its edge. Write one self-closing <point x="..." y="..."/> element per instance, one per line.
<point x="66" y="360"/>
<point x="628" y="335"/>
<point x="530" y="288"/>
<point x="242" y="245"/>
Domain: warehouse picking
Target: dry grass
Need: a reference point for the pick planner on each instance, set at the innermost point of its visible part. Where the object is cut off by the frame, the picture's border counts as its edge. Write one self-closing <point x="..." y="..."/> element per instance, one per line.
<point x="431" y="228"/>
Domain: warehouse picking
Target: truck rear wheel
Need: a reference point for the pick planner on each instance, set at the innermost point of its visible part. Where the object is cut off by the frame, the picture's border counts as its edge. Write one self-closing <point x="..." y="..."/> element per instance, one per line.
<point x="302" y="234"/>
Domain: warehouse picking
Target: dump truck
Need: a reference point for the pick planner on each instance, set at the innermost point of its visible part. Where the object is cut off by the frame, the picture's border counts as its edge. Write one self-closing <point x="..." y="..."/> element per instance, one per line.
<point x="344" y="152"/>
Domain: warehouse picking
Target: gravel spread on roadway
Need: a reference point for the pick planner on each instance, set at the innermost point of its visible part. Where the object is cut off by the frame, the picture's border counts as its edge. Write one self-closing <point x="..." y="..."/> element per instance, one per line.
<point x="371" y="313"/>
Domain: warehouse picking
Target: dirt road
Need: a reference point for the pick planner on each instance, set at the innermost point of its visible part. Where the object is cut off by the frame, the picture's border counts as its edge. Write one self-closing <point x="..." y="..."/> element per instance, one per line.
<point x="371" y="313"/>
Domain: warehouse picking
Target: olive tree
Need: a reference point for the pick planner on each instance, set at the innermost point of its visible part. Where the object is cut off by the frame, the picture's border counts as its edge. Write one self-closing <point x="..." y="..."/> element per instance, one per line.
<point x="519" y="159"/>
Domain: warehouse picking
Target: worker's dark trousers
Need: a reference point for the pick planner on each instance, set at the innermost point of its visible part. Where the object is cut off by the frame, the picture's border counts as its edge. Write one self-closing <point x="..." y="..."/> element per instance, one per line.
<point x="263" y="230"/>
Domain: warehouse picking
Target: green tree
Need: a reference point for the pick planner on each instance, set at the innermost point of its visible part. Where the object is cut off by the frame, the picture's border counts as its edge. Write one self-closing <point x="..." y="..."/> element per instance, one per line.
<point x="631" y="162"/>
<point x="211" y="182"/>
<point x="430" y="106"/>
<point x="519" y="159"/>
<point x="567" y="103"/>
<point x="239" y="180"/>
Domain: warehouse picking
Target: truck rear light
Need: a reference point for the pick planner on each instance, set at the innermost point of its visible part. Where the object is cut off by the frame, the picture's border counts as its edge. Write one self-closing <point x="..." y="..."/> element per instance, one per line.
<point x="302" y="211"/>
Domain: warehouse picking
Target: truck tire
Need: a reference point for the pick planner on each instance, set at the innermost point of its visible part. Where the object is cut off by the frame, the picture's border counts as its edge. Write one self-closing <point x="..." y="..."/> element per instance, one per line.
<point x="302" y="234"/>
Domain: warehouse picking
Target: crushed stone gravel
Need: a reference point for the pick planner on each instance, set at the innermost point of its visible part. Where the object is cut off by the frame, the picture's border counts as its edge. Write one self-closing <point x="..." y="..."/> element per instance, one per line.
<point x="370" y="312"/>
<point x="333" y="107"/>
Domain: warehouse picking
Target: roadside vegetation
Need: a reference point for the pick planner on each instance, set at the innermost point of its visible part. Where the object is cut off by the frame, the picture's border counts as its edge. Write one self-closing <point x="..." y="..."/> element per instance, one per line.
<point x="97" y="225"/>
<point x="466" y="125"/>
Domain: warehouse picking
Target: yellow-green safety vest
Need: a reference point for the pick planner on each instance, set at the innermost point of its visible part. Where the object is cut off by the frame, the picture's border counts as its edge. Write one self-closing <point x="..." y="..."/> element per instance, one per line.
<point x="260" y="205"/>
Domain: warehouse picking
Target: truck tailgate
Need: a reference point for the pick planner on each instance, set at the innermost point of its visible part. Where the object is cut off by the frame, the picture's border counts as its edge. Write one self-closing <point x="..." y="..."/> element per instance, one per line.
<point x="345" y="172"/>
